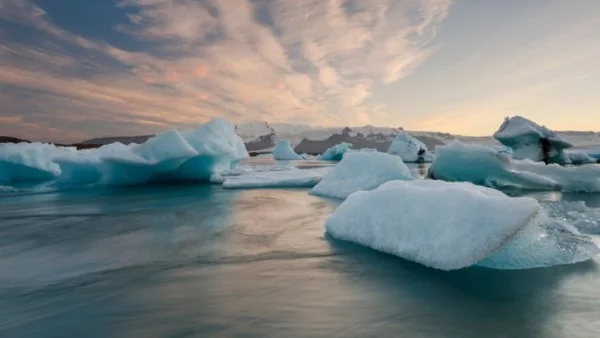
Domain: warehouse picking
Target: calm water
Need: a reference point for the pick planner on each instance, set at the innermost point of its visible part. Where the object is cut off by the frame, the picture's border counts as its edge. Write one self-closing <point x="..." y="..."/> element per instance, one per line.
<point x="202" y="261"/>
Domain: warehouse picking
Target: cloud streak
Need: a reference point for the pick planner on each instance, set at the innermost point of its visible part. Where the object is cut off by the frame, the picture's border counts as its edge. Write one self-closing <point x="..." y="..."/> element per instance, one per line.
<point x="309" y="61"/>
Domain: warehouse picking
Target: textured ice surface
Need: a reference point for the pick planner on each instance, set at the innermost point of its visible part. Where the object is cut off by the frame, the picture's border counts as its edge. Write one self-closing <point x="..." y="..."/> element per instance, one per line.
<point x="283" y="151"/>
<point x="438" y="224"/>
<point x="487" y="166"/>
<point x="29" y="161"/>
<point x="578" y="157"/>
<point x="335" y="153"/>
<point x="450" y="226"/>
<point x="523" y="137"/>
<point x="409" y="148"/>
<point x="7" y="189"/>
<point x="593" y="152"/>
<point x="275" y="178"/>
<point x="173" y="155"/>
<point x="547" y="242"/>
<point x="576" y="214"/>
<point x="361" y="171"/>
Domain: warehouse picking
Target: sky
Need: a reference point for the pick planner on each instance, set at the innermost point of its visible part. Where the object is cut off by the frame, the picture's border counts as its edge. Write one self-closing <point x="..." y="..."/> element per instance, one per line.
<point x="74" y="69"/>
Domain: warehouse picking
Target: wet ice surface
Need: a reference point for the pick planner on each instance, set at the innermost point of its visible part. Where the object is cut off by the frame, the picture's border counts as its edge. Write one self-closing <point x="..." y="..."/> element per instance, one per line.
<point x="199" y="261"/>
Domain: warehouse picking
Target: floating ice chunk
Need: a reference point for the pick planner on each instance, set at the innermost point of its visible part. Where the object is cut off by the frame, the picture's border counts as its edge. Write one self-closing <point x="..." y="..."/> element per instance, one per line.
<point x="409" y="148"/>
<point x="173" y="155"/>
<point x="335" y="153"/>
<point x="442" y="225"/>
<point x="450" y="226"/>
<point x="29" y="161"/>
<point x="281" y="178"/>
<point x="283" y="151"/>
<point x="525" y="137"/>
<point x="585" y="178"/>
<point x="593" y="153"/>
<point x="578" y="157"/>
<point x="361" y="171"/>
<point x="547" y="242"/>
<point x="486" y="166"/>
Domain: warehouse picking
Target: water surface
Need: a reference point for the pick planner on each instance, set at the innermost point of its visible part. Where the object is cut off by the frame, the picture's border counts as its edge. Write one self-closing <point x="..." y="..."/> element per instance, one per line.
<point x="202" y="261"/>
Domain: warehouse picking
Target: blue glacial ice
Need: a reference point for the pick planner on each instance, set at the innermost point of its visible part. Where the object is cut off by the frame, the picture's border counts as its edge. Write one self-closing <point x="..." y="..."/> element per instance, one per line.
<point x="451" y="226"/>
<point x="361" y="171"/>
<point x="283" y="151"/>
<point x="493" y="168"/>
<point x="335" y="153"/>
<point x="29" y="161"/>
<point x="410" y="149"/>
<point x="173" y="155"/>
<point x="524" y="137"/>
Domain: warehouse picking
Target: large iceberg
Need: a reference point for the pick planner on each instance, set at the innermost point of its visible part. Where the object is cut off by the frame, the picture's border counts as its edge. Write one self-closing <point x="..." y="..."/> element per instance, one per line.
<point x="409" y="148"/>
<point x="283" y="151"/>
<point x="335" y="153"/>
<point x="528" y="140"/>
<point x="494" y="168"/>
<point x="29" y="161"/>
<point x="361" y="171"/>
<point x="451" y="226"/>
<point x="173" y="155"/>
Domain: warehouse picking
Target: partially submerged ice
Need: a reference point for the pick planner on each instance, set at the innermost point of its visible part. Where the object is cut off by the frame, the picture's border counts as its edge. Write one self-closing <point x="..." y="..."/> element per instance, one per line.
<point x="283" y="151"/>
<point x="494" y="168"/>
<point x="361" y="171"/>
<point x="451" y="226"/>
<point x="580" y="157"/>
<point x="528" y="140"/>
<point x="409" y="148"/>
<point x="173" y="155"/>
<point x="276" y="177"/>
<point x="29" y="161"/>
<point x="335" y="153"/>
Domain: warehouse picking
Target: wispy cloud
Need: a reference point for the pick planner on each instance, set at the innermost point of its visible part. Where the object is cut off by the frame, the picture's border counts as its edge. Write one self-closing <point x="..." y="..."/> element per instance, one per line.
<point x="309" y="61"/>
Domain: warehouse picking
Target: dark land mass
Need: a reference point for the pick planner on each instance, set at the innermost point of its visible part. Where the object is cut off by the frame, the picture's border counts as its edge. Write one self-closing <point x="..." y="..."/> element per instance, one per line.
<point x="9" y="139"/>
<point x="263" y="143"/>
<point x="374" y="141"/>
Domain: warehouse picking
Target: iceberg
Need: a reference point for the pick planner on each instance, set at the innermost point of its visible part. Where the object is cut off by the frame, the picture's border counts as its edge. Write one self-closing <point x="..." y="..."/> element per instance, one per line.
<point x="409" y="148"/>
<point x="577" y="157"/>
<point x="528" y="140"/>
<point x="361" y="171"/>
<point x="173" y="155"/>
<point x="490" y="167"/>
<point x="593" y="153"/>
<point x="274" y="178"/>
<point x="335" y="153"/>
<point x="283" y="151"/>
<point x="29" y="161"/>
<point x="450" y="226"/>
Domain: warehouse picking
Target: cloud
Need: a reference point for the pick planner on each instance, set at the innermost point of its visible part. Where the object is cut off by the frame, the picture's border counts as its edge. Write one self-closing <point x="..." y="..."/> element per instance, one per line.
<point x="311" y="61"/>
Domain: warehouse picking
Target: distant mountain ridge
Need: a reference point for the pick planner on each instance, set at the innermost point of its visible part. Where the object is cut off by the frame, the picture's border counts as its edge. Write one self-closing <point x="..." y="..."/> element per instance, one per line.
<point x="261" y="136"/>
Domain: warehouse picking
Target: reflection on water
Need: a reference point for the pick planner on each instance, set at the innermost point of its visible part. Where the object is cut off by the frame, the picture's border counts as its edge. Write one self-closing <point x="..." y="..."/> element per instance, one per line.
<point x="200" y="261"/>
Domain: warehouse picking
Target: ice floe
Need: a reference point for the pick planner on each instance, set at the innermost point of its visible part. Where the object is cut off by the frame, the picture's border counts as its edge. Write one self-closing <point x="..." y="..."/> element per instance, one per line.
<point x="490" y="167"/>
<point x="361" y="171"/>
<point x="409" y="148"/>
<point x="451" y="226"/>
